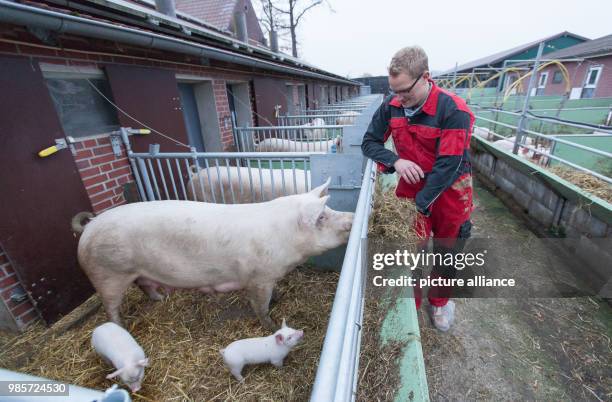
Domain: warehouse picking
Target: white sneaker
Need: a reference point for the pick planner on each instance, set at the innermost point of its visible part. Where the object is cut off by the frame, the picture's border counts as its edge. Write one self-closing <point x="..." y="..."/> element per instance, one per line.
<point x="443" y="317"/>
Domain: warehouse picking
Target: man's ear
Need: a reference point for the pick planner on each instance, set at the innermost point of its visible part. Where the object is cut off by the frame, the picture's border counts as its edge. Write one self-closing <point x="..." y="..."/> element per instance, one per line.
<point x="322" y="189"/>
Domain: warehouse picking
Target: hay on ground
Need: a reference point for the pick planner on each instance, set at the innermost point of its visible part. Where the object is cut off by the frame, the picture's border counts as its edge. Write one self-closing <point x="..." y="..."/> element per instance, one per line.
<point x="392" y="218"/>
<point x="379" y="373"/>
<point x="585" y="181"/>
<point x="182" y="336"/>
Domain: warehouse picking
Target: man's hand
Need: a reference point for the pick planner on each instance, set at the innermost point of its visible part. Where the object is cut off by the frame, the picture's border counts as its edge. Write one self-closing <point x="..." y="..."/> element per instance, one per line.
<point x="409" y="171"/>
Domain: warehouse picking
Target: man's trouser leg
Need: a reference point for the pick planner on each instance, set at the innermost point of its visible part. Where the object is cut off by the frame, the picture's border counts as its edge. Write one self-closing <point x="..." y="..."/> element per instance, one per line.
<point x="451" y="227"/>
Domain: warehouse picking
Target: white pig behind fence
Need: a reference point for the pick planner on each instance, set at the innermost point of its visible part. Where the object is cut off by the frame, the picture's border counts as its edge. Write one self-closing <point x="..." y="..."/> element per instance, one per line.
<point x="347" y="118"/>
<point x="285" y="145"/>
<point x="117" y="347"/>
<point x="485" y="133"/>
<point x="269" y="349"/>
<point x="315" y="133"/>
<point x="508" y="144"/>
<point x="255" y="188"/>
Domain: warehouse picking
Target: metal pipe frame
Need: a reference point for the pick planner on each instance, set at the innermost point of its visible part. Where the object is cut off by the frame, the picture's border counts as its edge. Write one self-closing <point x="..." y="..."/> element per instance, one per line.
<point x="550" y="156"/>
<point x="552" y="121"/>
<point x="295" y="134"/>
<point x="335" y="376"/>
<point x="154" y="189"/>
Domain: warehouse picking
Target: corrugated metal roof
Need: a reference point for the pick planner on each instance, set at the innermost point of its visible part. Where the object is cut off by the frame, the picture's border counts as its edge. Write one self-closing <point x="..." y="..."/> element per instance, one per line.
<point x="507" y="54"/>
<point x="592" y="48"/>
<point x="215" y="12"/>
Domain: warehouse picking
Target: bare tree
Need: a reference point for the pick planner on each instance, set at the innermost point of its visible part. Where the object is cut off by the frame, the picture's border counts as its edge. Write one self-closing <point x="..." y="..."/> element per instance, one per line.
<point x="270" y="17"/>
<point x="293" y="13"/>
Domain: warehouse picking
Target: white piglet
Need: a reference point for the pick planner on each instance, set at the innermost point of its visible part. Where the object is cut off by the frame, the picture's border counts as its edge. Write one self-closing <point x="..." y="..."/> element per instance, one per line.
<point x="270" y="349"/>
<point x="120" y="349"/>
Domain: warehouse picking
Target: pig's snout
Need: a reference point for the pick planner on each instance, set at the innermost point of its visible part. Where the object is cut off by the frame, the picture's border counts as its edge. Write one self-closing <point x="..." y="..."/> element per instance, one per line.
<point x="135" y="387"/>
<point x="300" y="334"/>
<point x="348" y="221"/>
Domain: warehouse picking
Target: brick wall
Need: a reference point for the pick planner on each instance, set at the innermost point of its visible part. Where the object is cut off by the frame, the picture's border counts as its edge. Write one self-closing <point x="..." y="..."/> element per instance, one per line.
<point x="103" y="173"/>
<point x="23" y="312"/>
<point x="223" y="114"/>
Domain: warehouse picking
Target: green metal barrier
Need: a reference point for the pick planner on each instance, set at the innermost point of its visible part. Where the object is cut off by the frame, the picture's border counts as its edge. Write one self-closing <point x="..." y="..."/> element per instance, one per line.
<point x="589" y="160"/>
<point x="597" y="207"/>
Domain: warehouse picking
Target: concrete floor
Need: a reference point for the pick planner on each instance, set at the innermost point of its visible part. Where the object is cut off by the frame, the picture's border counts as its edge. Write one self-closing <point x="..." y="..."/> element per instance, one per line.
<point x="519" y="348"/>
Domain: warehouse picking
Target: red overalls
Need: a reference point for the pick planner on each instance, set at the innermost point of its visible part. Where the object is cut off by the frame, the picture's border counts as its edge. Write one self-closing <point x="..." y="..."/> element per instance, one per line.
<point x="453" y="206"/>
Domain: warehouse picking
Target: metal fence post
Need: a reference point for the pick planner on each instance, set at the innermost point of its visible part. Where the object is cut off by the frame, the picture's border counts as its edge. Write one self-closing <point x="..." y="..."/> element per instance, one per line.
<point x="128" y="150"/>
<point x="532" y="80"/>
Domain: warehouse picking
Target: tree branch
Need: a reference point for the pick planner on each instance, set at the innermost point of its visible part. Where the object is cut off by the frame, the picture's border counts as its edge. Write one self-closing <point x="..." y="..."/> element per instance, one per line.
<point x="280" y="10"/>
<point x="316" y="3"/>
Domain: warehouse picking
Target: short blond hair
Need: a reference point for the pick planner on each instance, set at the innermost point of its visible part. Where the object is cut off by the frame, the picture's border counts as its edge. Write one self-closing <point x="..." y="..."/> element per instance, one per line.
<point x="411" y="60"/>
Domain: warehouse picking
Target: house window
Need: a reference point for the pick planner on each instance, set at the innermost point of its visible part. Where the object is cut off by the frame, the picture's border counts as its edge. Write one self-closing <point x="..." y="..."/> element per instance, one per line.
<point x="592" y="78"/>
<point x="81" y="108"/>
<point x="543" y="79"/>
<point x="542" y="84"/>
<point x="557" y="77"/>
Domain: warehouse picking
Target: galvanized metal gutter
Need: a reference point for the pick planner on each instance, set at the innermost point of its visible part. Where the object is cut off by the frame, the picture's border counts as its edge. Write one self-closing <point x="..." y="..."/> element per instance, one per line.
<point x="21" y="14"/>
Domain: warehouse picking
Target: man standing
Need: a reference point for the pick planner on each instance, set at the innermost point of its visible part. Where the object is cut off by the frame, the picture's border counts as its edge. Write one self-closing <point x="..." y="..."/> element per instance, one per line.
<point x="431" y="131"/>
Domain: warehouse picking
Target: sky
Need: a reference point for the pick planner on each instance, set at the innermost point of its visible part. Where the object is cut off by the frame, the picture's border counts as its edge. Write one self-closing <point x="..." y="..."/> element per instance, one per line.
<point x="360" y="37"/>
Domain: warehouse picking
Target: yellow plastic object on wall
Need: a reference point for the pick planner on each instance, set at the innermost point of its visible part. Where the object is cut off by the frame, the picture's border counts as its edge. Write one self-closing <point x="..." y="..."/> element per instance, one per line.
<point x="48" y="151"/>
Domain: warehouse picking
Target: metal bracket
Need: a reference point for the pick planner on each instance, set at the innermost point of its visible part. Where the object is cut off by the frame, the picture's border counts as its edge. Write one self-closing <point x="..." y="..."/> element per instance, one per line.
<point x="60" y="143"/>
<point x="117" y="140"/>
<point x="153" y="21"/>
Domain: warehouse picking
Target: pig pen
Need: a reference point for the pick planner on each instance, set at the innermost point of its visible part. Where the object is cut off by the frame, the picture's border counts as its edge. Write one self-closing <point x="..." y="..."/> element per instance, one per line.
<point x="182" y="336"/>
<point x="498" y="348"/>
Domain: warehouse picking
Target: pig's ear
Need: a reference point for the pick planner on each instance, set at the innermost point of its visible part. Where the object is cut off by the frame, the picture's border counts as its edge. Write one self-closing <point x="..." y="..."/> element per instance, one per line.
<point x="143" y="362"/>
<point x="284" y="324"/>
<point x="321" y="190"/>
<point x="312" y="211"/>
<point x="114" y="374"/>
<point x="279" y="339"/>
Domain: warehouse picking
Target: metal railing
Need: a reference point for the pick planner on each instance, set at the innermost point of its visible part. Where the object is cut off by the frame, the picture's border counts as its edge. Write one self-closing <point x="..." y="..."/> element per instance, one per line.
<point x="301" y="119"/>
<point x="336" y="379"/>
<point x="220" y="177"/>
<point x="290" y="138"/>
<point x="330" y="110"/>
<point x="548" y="155"/>
<point x="343" y="106"/>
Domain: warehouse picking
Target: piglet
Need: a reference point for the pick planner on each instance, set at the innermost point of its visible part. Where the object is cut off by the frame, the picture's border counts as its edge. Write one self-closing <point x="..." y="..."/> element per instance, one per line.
<point x="270" y="349"/>
<point x="119" y="348"/>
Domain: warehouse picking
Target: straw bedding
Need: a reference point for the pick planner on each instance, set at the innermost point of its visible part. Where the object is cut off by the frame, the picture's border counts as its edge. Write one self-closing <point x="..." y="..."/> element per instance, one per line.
<point x="182" y="336"/>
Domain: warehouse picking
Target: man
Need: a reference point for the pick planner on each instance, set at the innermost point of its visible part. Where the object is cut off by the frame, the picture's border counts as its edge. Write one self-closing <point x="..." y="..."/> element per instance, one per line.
<point x="431" y="131"/>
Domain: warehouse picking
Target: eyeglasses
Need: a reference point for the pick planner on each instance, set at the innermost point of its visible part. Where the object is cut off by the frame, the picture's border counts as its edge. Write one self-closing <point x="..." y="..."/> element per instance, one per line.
<point x="405" y="92"/>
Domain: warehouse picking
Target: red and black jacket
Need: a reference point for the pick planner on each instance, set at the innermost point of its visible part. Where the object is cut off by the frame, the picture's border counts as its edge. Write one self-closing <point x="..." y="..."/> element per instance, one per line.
<point x="437" y="139"/>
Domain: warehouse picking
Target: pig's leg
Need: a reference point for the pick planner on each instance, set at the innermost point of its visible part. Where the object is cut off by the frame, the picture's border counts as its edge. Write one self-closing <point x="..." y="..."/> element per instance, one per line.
<point x="237" y="372"/>
<point x="151" y="291"/>
<point x="112" y="293"/>
<point x="259" y="296"/>
<point x="277" y="363"/>
<point x="275" y="296"/>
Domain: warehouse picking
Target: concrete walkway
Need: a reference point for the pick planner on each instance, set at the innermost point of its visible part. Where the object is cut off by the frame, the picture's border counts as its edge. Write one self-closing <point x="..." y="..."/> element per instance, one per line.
<point x="509" y="349"/>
